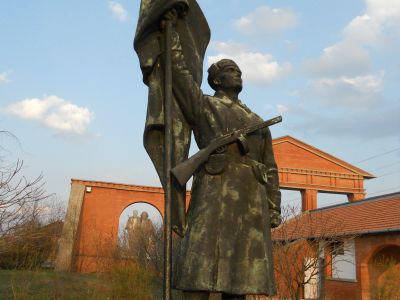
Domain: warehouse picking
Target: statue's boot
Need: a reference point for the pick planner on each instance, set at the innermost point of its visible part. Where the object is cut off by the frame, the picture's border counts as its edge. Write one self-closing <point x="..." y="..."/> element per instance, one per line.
<point x="196" y="295"/>
<point x="233" y="297"/>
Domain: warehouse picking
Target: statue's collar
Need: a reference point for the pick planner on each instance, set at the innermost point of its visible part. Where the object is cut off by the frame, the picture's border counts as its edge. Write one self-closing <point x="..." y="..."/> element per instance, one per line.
<point x="225" y="100"/>
<point x="228" y="101"/>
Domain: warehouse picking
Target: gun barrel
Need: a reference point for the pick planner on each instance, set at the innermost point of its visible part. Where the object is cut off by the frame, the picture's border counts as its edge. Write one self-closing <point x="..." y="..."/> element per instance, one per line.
<point x="262" y="125"/>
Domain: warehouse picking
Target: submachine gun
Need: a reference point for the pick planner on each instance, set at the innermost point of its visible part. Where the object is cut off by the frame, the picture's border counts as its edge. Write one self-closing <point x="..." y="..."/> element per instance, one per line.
<point x="185" y="170"/>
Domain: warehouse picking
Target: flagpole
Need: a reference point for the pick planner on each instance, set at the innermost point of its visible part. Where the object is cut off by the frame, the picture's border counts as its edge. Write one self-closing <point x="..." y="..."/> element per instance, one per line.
<point x="167" y="162"/>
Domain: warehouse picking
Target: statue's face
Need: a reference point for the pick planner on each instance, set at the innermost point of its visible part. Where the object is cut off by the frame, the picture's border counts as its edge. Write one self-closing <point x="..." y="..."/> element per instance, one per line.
<point x="230" y="77"/>
<point x="144" y="215"/>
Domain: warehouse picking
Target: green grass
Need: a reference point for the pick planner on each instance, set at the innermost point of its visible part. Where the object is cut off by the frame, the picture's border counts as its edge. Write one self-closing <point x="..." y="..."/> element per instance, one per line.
<point x="43" y="285"/>
<point x="32" y="285"/>
<point x="120" y="284"/>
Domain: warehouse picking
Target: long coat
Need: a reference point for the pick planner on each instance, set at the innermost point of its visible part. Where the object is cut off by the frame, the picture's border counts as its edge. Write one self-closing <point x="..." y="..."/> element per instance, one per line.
<point x="227" y="244"/>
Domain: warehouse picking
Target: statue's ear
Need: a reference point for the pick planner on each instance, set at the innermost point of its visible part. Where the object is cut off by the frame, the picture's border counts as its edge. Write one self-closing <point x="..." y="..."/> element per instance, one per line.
<point x="217" y="81"/>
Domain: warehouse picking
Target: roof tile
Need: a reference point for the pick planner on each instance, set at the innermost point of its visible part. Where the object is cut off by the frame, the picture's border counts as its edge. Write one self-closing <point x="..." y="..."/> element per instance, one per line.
<point x="375" y="214"/>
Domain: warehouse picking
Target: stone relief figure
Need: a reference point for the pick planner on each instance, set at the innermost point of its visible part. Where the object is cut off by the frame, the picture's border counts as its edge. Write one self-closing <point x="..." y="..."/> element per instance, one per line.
<point x="146" y="226"/>
<point x="132" y="222"/>
<point x="235" y="198"/>
<point x="140" y="236"/>
<point x="136" y="223"/>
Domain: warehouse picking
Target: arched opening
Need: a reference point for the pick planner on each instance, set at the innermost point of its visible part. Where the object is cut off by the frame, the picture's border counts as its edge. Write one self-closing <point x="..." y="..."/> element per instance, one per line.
<point x="384" y="273"/>
<point x="138" y="208"/>
<point x="140" y="235"/>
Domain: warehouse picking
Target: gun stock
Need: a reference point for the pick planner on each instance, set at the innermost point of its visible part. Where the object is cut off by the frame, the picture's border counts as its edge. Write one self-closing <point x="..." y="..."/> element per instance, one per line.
<point x="185" y="170"/>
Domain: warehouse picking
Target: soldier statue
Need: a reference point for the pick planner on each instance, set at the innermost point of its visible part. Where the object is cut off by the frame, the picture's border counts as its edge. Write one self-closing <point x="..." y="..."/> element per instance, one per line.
<point x="235" y="198"/>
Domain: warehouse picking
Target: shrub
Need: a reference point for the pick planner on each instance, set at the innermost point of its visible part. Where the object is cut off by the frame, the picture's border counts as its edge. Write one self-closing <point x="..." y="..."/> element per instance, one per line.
<point x="130" y="282"/>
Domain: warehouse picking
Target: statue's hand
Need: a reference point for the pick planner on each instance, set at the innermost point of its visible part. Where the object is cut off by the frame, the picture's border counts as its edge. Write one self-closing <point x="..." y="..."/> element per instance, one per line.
<point x="170" y="16"/>
<point x="275" y="218"/>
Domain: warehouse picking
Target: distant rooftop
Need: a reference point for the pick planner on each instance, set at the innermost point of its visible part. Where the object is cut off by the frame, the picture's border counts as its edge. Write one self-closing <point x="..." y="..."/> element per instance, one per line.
<point x="372" y="215"/>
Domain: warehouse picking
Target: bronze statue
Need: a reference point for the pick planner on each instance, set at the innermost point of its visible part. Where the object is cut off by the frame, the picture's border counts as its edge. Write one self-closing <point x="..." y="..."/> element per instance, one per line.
<point x="235" y="200"/>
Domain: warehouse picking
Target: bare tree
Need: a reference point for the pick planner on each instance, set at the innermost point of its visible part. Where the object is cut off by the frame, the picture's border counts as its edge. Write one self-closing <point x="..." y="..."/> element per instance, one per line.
<point x="301" y="245"/>
<point x="19" y="197"/>
<point x="25" y="207"/>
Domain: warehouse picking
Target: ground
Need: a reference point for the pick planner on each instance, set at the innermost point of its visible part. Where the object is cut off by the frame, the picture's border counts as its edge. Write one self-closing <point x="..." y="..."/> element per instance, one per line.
<point x="44" y="284"/>
<point x="39" y="285"/>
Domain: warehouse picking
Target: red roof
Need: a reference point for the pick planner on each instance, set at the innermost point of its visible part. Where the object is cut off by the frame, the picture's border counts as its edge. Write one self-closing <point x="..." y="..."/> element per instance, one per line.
<point x="373" y="215"/>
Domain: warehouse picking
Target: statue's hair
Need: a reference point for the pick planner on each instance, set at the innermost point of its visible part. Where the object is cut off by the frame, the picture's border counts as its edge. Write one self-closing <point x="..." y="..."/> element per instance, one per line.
<point x="215" y="68"/>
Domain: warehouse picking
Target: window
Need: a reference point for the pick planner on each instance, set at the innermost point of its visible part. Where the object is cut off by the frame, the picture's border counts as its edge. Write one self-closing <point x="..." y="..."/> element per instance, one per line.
<point x="338" y="248"/>
<point x="344" y="260"/>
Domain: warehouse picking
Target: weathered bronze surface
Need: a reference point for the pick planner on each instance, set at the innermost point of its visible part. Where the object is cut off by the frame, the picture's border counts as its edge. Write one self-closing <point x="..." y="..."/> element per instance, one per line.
<point x="226" y="243"/>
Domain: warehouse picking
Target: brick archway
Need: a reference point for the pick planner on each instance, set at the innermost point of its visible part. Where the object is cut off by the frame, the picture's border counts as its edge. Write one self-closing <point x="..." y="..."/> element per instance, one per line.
<point x="90" y="232"/>
<point x="369" y="273"/>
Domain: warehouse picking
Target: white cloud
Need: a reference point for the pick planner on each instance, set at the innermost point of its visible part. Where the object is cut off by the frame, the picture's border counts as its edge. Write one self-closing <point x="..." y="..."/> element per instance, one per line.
<point x="256" y="67"/>
<point x="360" y="122"/>
<point x="4" y="78"/>
<point x="367" y="84"/>
<point x="295" y="93"/>
<point x="53" y="112"/>
<point x="343" y="58"/>
<point x="266" y="20"/>
<point x="344" y="72"/>
<point x="371" y="28"/>
<point x="358" y="90"/>
<point x="118" y="11"/>
<point x="228" y="47"/>
<point x="281" y="108"/>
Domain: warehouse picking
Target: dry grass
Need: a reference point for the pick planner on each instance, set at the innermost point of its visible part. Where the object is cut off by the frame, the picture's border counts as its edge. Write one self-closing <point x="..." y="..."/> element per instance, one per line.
<point x="126" y="282"/>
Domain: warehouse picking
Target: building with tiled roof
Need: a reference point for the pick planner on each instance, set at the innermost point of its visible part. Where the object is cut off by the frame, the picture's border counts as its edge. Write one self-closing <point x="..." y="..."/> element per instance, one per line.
<point x="375" y="215"/>
<point x="369" y="235"/>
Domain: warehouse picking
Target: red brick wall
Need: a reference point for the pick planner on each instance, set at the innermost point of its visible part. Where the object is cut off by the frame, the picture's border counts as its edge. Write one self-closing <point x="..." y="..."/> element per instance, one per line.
<point x="98" y="229"/>
<point x="339" y="289"/>
<point x="366" y="247"/>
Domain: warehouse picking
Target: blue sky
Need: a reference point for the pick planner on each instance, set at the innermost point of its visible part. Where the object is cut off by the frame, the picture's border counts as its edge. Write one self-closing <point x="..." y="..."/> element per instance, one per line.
<point x="71" y="89"/>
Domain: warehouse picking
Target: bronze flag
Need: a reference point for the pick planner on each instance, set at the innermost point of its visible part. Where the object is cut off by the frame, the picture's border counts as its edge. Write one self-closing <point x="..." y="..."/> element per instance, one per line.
<point x="194" y="34"/>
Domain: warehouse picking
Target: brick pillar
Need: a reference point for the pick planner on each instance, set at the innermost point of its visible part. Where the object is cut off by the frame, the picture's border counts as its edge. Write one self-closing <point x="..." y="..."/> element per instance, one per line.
<point x="328" y="261"/>
<point x="355" y="197"/>
<point x="364" y="278"/>
<point x="67" y="240"/>
<point x="308" y="199"/>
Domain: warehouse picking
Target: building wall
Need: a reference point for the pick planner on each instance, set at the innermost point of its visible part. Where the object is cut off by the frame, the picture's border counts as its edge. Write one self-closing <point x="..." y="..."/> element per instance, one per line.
<point x="366" y="247"/>
<point x="97" y="234"/>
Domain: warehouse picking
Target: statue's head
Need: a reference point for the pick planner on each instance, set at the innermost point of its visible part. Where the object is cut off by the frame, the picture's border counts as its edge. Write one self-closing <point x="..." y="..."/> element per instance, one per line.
<point x="135" y="213"/>
<point x="144" y="215"/>
<point x="225" y="75"/>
